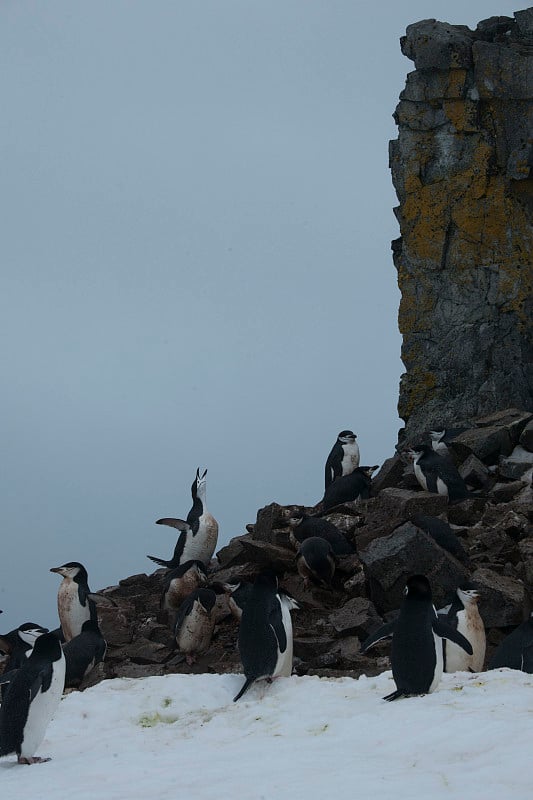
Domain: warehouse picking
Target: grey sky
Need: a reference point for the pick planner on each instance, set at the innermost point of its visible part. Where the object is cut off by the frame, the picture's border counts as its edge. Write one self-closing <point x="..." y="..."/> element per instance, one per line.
<point x="196" y="215"/>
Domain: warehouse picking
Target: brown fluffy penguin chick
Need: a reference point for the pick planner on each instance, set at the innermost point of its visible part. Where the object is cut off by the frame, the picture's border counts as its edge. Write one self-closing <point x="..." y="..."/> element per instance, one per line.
<point x="195" y="622"/>
<point x="178" y="584"/>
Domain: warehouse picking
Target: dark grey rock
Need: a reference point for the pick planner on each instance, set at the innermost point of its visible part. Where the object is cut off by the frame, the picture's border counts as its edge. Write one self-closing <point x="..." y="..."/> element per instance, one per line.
<point x="526" y="437"/>
<point x="358" y="616"/>
<point x="474" y="472"/>
<point x="436" y="45"/>
<point x="502" y="599"/>
<point x="390" y="560"/>
<point x="504" y="492"/>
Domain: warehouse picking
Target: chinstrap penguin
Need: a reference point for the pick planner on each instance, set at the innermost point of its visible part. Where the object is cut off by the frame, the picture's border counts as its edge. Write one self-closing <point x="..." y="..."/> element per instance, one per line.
<point x="198" y="533"/>
<point x="20" y="642"/>
<point x="463" y="615"/>
<point x="441" y="438"/>
<point x="265" y="633"/>
<point x="238" y="595"/>
<point x="437" y="474"/>
<point x="74" y="604"/>
<point x="315" y="562"/>
<point x="31" y="700"/>
<point x="83" y="653"/>
<point x="303" y="527"/>
<point x="355" y="486"/>
<point x="343" y="457"/>
<point x="417" y="633"/>
<point x="195" y="622"/>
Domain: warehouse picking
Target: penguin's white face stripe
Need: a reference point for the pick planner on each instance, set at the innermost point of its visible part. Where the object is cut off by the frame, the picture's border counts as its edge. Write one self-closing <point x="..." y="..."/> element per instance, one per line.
<point x="30" y="635"/>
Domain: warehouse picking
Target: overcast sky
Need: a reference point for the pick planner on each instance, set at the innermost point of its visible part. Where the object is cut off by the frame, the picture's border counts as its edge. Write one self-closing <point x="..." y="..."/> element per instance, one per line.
<point x="196" y="215"/>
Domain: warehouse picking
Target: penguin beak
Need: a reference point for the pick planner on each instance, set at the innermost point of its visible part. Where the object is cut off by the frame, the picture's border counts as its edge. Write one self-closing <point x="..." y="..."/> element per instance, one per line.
<point x="59" y="570"/>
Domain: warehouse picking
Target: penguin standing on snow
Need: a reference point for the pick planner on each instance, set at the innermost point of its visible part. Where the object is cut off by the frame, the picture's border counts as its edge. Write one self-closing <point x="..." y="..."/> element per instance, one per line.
<point x="83" y="653"/>
<point x="195" y="622"/>
<point x="315" y="562"/>
<point x="463" y="615"/>
<point x="31" y="700"/>
<point x="437" y="474"/>
<point x="417" y="633"/>
<point x="198" y="533"/>
<point x="303" y="527"/>
<point x="178" y="584"/>
<point x="343" y="457"/>
<point x="74" y="605"/>
<point x="355" y="486"/>
<point x="265" y="633"/>
<point x="516" y="650"/>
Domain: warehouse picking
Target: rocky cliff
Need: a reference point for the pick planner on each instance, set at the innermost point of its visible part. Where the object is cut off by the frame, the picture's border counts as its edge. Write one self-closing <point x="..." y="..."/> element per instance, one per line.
<point x="462" y="167"/>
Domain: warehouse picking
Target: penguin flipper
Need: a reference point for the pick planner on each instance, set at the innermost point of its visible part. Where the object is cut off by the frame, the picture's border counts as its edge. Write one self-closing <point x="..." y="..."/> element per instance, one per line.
<point x="247" y="683"/>
<point x="385" y="632"/>
<point x="42" y="681"/>
<point x="179" y="524"/>
<point x="160" y="561"/>
<point x="444" y="630"/>
<point x="7" y="677"/>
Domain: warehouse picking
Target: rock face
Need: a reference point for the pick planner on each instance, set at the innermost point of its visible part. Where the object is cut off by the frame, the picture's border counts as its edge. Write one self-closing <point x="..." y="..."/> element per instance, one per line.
<point x="462" y="167"/>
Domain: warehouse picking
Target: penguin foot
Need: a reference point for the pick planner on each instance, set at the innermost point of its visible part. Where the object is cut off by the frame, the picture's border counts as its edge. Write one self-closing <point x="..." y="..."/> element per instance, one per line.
<point x="32" y="760"/>
<point x="395" y="696"/>
<point x="190" y="660"/>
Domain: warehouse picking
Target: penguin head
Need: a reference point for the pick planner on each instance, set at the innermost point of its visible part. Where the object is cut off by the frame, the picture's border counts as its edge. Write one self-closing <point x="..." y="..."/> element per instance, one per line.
<point x="437" y="435"/>
<point x="29" y="632"/>
<point x="296" y="518"/>
<point x="419" y="450"/>
<point x="467" y="594"/>
<point x="48" y="647"/>
<point x="207" y="599"/>
<point x="346" y="437"/>
<point x="368" y="471"/>
<point x="199" y="482"/>
<point x="71" y="570"/>
<point x="418" y="588"/>
<point x="267" y="579"/>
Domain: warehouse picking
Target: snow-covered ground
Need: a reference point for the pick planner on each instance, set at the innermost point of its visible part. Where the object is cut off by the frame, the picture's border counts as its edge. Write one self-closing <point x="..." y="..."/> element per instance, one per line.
<point x="181" y="736"/>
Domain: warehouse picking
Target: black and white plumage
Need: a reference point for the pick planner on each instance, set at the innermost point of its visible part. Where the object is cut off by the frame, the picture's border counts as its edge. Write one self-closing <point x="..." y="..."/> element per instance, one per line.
<point x="315" y="562"/>
<point x="20" y="643"/>
<point x="303" y="527"/>
<point x="31" y="700"/>
<point x="437" y="474"/>
<point x="178" y="583"/>
<point x="442" y="437"/>
<point x="442" y="533"/>
<point x="355" y="486"/>
<point x="516" y="650"/>
<point x="195" y="622"/>
<point x="265" y="633"/>
<point x="74" y="604"/>
<point x="343" y="457"/>
<point x="83" y="653"/>
<point x="463" y="616"/>
<point x="417" y="633"/>
<point x="198" y="533"/>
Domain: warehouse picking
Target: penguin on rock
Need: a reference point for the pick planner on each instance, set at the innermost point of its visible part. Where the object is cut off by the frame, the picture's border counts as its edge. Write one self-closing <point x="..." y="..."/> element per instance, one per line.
<point x="437" y="474"/>
<point x="355" y="486"/>
<point x="303" y="527"/>
<point x="417" y="633"/>
<point x="74" y="604"/>
<point x="178" y="583"/>
<point x="265" y="633"/>
<point x="195" y="622"/>
<point x="516" y="650"/>
<point x="31" y="700"/>
<point x="198" y="533"/>
<point x="315" y="562"/>
<point x="343" y="457"/>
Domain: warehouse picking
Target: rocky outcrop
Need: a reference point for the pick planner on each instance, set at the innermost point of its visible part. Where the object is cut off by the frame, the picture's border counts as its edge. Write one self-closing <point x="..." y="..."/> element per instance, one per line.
<point x="393" y="540"/>
<point x="462" y="167"/>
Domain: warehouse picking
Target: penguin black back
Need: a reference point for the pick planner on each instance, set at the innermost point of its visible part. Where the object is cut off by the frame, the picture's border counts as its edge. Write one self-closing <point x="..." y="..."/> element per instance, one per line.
<point x="355" y="486"/>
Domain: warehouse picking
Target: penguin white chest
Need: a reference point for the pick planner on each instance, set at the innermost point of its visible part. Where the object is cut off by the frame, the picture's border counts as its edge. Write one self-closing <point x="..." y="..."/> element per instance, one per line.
<point x="195" y="634"/>
<point x="350" y="459"/>
<point x="283" y="668"/>
<point x="439" y="663"/>
<point x="419" y="475"/>
<point x="72" y="614"/>
<point x="470" y="624"/>
<point x="41" y="710"/>
<point x="201" y="546"/>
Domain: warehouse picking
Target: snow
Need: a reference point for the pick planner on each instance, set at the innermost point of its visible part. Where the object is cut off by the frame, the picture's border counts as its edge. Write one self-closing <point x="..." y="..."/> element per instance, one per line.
<point x="301" y="737"/>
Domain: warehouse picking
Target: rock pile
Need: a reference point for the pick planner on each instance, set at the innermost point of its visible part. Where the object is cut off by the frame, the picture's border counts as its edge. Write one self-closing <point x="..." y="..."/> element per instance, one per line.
<point x="395" y="534"/>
